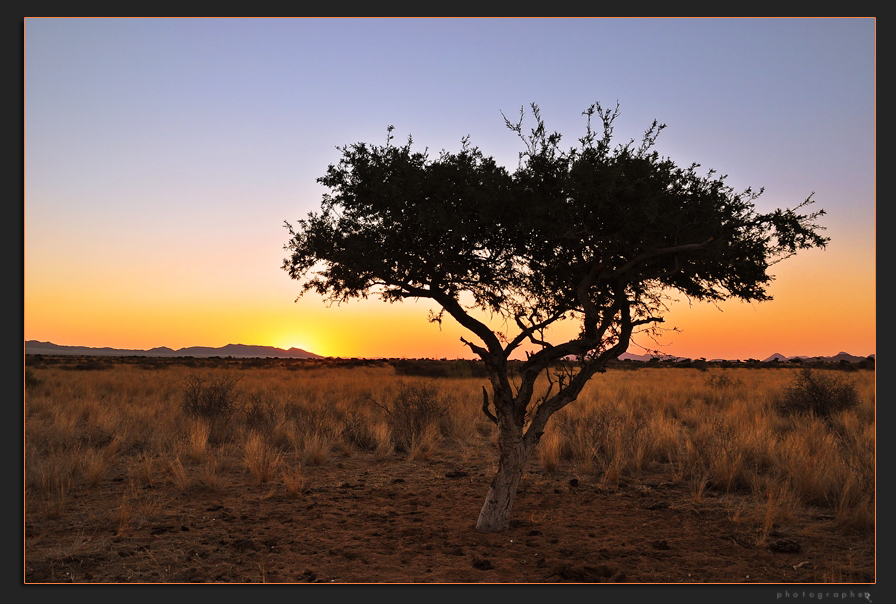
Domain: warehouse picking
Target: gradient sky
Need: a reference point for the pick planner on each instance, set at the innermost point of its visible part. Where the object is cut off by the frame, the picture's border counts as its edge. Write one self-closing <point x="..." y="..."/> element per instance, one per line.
<point x="162" y="157"/>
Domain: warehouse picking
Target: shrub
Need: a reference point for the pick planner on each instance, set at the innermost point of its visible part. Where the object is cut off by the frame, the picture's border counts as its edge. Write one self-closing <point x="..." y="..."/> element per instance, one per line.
<point x="260" y="459"/>
<point x="356" y="432"/>
<point x="214" y="399"/>
<point x="414" y="408"/>
<point x="820" y="393"/>
<point x="31" y="379"/>
<point x="604" y="440"/>
<point x="293" y="480"/>
<point x="260" y="413"/>
<point x="315" y="449"/>
<point x="313" y="419"/>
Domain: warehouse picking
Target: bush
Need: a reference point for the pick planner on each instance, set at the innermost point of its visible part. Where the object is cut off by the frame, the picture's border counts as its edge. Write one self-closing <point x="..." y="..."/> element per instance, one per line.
<point x="31" y="379"/>
<point x="414" y="408"/>
<point x="356" y="432"/>
<point x="602" y="437"/>
<point x="313" y="420"/>
<point x="260" y="413"/>
<point x="214" y="399"/>
<point x="819" y="393"/>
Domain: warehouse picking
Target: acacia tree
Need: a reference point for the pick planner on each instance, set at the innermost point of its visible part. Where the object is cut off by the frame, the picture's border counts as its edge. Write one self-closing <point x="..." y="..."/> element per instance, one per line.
<point x="597" y="234"/>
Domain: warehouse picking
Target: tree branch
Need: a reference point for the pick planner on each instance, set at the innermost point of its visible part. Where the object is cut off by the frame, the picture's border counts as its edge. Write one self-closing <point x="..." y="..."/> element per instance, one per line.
<point x="574" y="386"/>
<point x="686" y="247"/>
<point x="528" y="332"/>
<point x="485" y="408"/>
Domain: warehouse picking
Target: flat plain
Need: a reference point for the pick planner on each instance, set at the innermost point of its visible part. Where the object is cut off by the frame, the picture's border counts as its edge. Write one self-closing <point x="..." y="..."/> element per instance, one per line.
<point x="371" y="472"/>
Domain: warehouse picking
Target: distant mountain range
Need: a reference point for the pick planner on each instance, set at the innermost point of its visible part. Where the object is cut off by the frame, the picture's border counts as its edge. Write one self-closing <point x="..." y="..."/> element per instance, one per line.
<point x="248" y="351"/>
<point x="841" y="356"/>
<point x="231" y="350"/>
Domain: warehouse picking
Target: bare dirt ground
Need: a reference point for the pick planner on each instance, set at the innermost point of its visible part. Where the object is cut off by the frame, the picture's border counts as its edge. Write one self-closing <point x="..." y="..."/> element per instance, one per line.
<point x="360" y="520"/>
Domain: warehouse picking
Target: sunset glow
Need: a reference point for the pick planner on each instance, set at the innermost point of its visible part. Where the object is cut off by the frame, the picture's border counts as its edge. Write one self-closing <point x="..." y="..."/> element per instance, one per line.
<point x="162" y="157"/>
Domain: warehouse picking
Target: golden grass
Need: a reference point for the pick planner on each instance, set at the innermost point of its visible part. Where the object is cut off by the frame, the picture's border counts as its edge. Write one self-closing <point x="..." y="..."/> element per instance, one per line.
<point x="549" y="452"/>
<point x="196" y="440"/>
<point x="716" y="431"/>
<point x="293" y="480"/>
<point x="209" y="477"/>
<point x="722" y="438"/>
<point x="423" y="447"/>
<point x="315" y="450"/>
<point x="262" y="462"/>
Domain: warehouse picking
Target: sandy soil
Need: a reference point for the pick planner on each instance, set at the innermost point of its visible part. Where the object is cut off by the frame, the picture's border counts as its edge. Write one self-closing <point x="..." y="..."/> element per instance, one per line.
<point x="361" y="520"/>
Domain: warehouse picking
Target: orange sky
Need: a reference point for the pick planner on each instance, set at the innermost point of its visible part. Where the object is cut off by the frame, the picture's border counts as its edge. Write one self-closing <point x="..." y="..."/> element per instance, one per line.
<point x="812" y="314"/>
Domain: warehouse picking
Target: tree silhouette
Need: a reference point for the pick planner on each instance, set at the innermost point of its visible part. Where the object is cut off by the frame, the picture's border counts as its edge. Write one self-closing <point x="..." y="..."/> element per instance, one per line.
<point x="597" y="234"/>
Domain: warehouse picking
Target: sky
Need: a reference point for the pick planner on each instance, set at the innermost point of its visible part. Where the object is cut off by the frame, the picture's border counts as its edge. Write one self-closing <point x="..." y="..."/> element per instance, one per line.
<point x="163" y="156"/>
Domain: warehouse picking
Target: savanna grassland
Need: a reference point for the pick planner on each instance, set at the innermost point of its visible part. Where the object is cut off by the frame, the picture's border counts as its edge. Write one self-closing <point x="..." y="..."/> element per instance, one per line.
<point x="221" y="470"/>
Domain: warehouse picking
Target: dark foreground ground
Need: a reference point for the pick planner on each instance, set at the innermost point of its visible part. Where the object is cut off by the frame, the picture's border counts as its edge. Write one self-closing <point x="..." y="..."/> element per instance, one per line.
<point x="361" y="520"/>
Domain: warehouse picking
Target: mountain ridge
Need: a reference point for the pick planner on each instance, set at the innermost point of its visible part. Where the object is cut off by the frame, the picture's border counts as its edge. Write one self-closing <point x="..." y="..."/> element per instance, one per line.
<point x="231" y="350"/>
<point x="840" y="356"/>
<point x="776" y="357"/>
<point x="256" y="351"/>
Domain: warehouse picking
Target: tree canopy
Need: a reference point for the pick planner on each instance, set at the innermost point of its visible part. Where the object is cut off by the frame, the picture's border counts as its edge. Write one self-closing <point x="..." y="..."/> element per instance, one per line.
<point x="597" y="233"/>
<point x="587" y="232"/>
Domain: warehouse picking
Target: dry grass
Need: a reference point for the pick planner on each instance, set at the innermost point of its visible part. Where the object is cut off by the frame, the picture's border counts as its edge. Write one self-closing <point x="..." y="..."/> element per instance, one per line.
<point x="262" y="461"/>
<point x="315" y="449"/>
<point x="179" y="475"/>
<point x="293" y="480"/>
<point x="718" y="432"/>
<point x="549" y="452"/>
<point x="198" y="432"/>
<point x="209" y="478"/>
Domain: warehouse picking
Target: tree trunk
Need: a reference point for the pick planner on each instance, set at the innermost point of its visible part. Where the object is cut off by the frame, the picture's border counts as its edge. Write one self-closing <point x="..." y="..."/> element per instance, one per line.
<point x="495" y="514"/>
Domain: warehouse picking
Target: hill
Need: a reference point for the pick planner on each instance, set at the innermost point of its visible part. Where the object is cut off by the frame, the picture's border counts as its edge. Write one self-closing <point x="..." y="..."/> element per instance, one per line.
<point x="840" y="356"/>
<point x="230" y="350"/>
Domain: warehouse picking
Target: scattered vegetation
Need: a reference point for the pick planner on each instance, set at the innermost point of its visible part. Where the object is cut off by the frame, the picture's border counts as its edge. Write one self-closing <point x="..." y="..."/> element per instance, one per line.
<point x="781" y="440"/>
<point x="259" y="413"/>
<point x="356" y="432"/>
<point x="415" y="407"/>
<point x="261" y="460"/>
<point x="821" y="393"/>
<point x="460" y="368"/>
<point x="721" y="381"/>
<point x="31" y="379"/>
<point x="213" y="399"/>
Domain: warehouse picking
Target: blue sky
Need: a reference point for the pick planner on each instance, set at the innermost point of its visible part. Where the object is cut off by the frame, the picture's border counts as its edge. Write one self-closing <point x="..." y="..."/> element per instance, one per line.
<point x="163" y="156"/>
